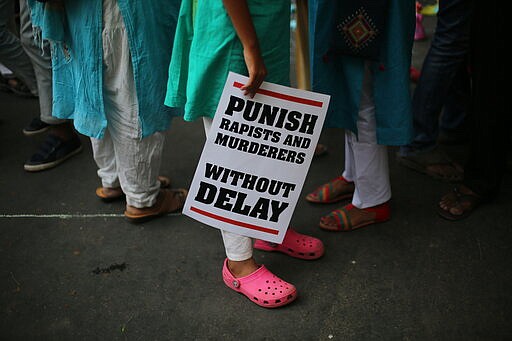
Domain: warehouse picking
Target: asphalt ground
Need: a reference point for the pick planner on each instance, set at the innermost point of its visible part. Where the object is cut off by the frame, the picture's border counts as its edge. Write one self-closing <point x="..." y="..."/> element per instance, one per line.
<point x="72" y="268"/>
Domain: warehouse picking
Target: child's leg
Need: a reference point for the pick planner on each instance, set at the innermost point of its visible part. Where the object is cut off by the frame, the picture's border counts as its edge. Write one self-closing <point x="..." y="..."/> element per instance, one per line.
<point x="241" y="273"/>
<point x="239" y="253"/>
<point x="238" y="248"/>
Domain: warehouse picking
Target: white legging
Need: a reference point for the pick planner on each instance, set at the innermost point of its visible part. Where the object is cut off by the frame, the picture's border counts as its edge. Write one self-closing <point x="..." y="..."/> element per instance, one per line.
<point x="238" y="248"/>
<point x="366" y="162"/>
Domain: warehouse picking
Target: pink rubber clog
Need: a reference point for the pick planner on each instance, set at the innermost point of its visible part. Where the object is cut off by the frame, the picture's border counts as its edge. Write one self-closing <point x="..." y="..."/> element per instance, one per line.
<point x="262" y="287"/>
<point x="294" y="244"/>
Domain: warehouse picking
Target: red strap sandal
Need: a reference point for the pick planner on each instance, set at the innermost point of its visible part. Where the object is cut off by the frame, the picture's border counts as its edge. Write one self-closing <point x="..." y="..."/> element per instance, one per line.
<point x="327" y="194"/>
<point x="342" y="221"/>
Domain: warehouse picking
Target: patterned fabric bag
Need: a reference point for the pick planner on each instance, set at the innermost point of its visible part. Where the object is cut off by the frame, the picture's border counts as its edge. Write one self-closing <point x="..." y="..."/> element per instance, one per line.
<point x="359" y="28"/>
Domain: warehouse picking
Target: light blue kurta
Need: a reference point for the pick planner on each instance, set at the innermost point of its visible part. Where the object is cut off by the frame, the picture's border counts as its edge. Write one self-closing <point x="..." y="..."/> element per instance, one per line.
<point x="77" y="58"/>
<point x="342" y="76"/>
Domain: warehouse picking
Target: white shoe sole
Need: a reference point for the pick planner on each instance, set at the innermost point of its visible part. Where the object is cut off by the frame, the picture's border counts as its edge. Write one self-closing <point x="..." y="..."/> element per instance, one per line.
<point x="37" y="168"/>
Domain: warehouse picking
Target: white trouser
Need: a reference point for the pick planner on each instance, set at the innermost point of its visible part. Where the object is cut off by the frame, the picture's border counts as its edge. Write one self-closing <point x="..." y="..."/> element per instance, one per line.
<point x="366" y="162"/>
<point x="12" y="54"/>
<point x="123" y="158"/>
<point x="41" y="61"/>
<point x="237" y="247"/>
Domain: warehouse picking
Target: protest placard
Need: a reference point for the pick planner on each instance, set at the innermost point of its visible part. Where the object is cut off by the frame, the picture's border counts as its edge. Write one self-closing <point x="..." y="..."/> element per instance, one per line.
<point x="256" y="158"/>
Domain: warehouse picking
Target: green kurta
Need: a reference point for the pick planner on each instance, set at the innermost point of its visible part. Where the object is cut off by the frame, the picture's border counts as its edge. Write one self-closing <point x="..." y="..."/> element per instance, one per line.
<point x="207" y="47"/>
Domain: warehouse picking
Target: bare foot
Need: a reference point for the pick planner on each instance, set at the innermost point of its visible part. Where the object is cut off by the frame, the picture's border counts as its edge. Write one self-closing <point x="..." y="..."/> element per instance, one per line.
<point x="458" y="203"/>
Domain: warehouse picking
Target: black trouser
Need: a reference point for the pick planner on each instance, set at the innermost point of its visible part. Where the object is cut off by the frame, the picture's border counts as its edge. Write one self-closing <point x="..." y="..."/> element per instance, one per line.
<point x="490" y="126"/>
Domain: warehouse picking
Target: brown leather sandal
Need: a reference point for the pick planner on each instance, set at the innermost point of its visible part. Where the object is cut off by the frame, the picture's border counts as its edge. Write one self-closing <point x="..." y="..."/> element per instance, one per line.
<point x="110" y="194"/>
<point x="465" y="203"/>
<point x="168" y="201"/>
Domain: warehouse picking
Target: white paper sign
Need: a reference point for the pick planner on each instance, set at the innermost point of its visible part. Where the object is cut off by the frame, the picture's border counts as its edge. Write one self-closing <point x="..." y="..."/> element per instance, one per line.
<point x="256" y="158"/>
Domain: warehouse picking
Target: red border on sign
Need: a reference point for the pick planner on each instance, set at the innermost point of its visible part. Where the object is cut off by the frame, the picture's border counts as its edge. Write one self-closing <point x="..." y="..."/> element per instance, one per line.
<point x="283" y="96"/>
<point x="234" y="222"/>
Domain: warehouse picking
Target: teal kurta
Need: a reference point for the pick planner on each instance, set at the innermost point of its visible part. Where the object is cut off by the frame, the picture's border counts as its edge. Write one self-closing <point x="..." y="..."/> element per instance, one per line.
<point x="77" y="52"/>
<point x="206" y="48"/>
<point x="341" y="76"/>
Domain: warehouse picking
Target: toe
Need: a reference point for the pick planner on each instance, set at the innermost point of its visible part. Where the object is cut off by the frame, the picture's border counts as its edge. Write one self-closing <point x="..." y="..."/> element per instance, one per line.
<point x="328" y="222"/>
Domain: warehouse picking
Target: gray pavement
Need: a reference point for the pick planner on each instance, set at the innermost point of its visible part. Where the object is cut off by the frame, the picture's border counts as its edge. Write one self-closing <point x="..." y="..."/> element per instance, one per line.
<point x="414" y="277"/>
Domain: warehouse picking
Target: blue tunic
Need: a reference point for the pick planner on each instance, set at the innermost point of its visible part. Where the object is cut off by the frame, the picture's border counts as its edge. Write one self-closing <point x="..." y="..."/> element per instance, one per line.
<point x="77" y="59"/>
<point x="341" y="76"/>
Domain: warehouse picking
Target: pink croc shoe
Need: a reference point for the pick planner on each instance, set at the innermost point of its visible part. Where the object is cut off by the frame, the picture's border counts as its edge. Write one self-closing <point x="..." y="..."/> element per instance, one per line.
<point x="294" y="244"/>
<point x="262" y="287"/>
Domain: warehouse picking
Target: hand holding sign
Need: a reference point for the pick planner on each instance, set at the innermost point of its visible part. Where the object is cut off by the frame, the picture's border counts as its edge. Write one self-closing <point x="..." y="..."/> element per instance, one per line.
<point x="256" y="158"/>
<point x="257" y="71"/>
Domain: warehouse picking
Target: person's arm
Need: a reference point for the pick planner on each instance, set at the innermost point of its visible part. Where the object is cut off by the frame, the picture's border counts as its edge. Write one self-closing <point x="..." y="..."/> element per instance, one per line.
<point x="238" y="11"/>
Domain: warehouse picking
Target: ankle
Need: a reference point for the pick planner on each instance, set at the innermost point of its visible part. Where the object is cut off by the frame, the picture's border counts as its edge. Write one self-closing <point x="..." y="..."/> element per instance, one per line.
<point x="382" y="211"/>
<point x="64" y="131"/>
<point x="134" y="209"/>
<point x="379" y="212"/>
<point x="242" y="268"/>
<point x="112" y="190"/>
<point x="343" y="185"/>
